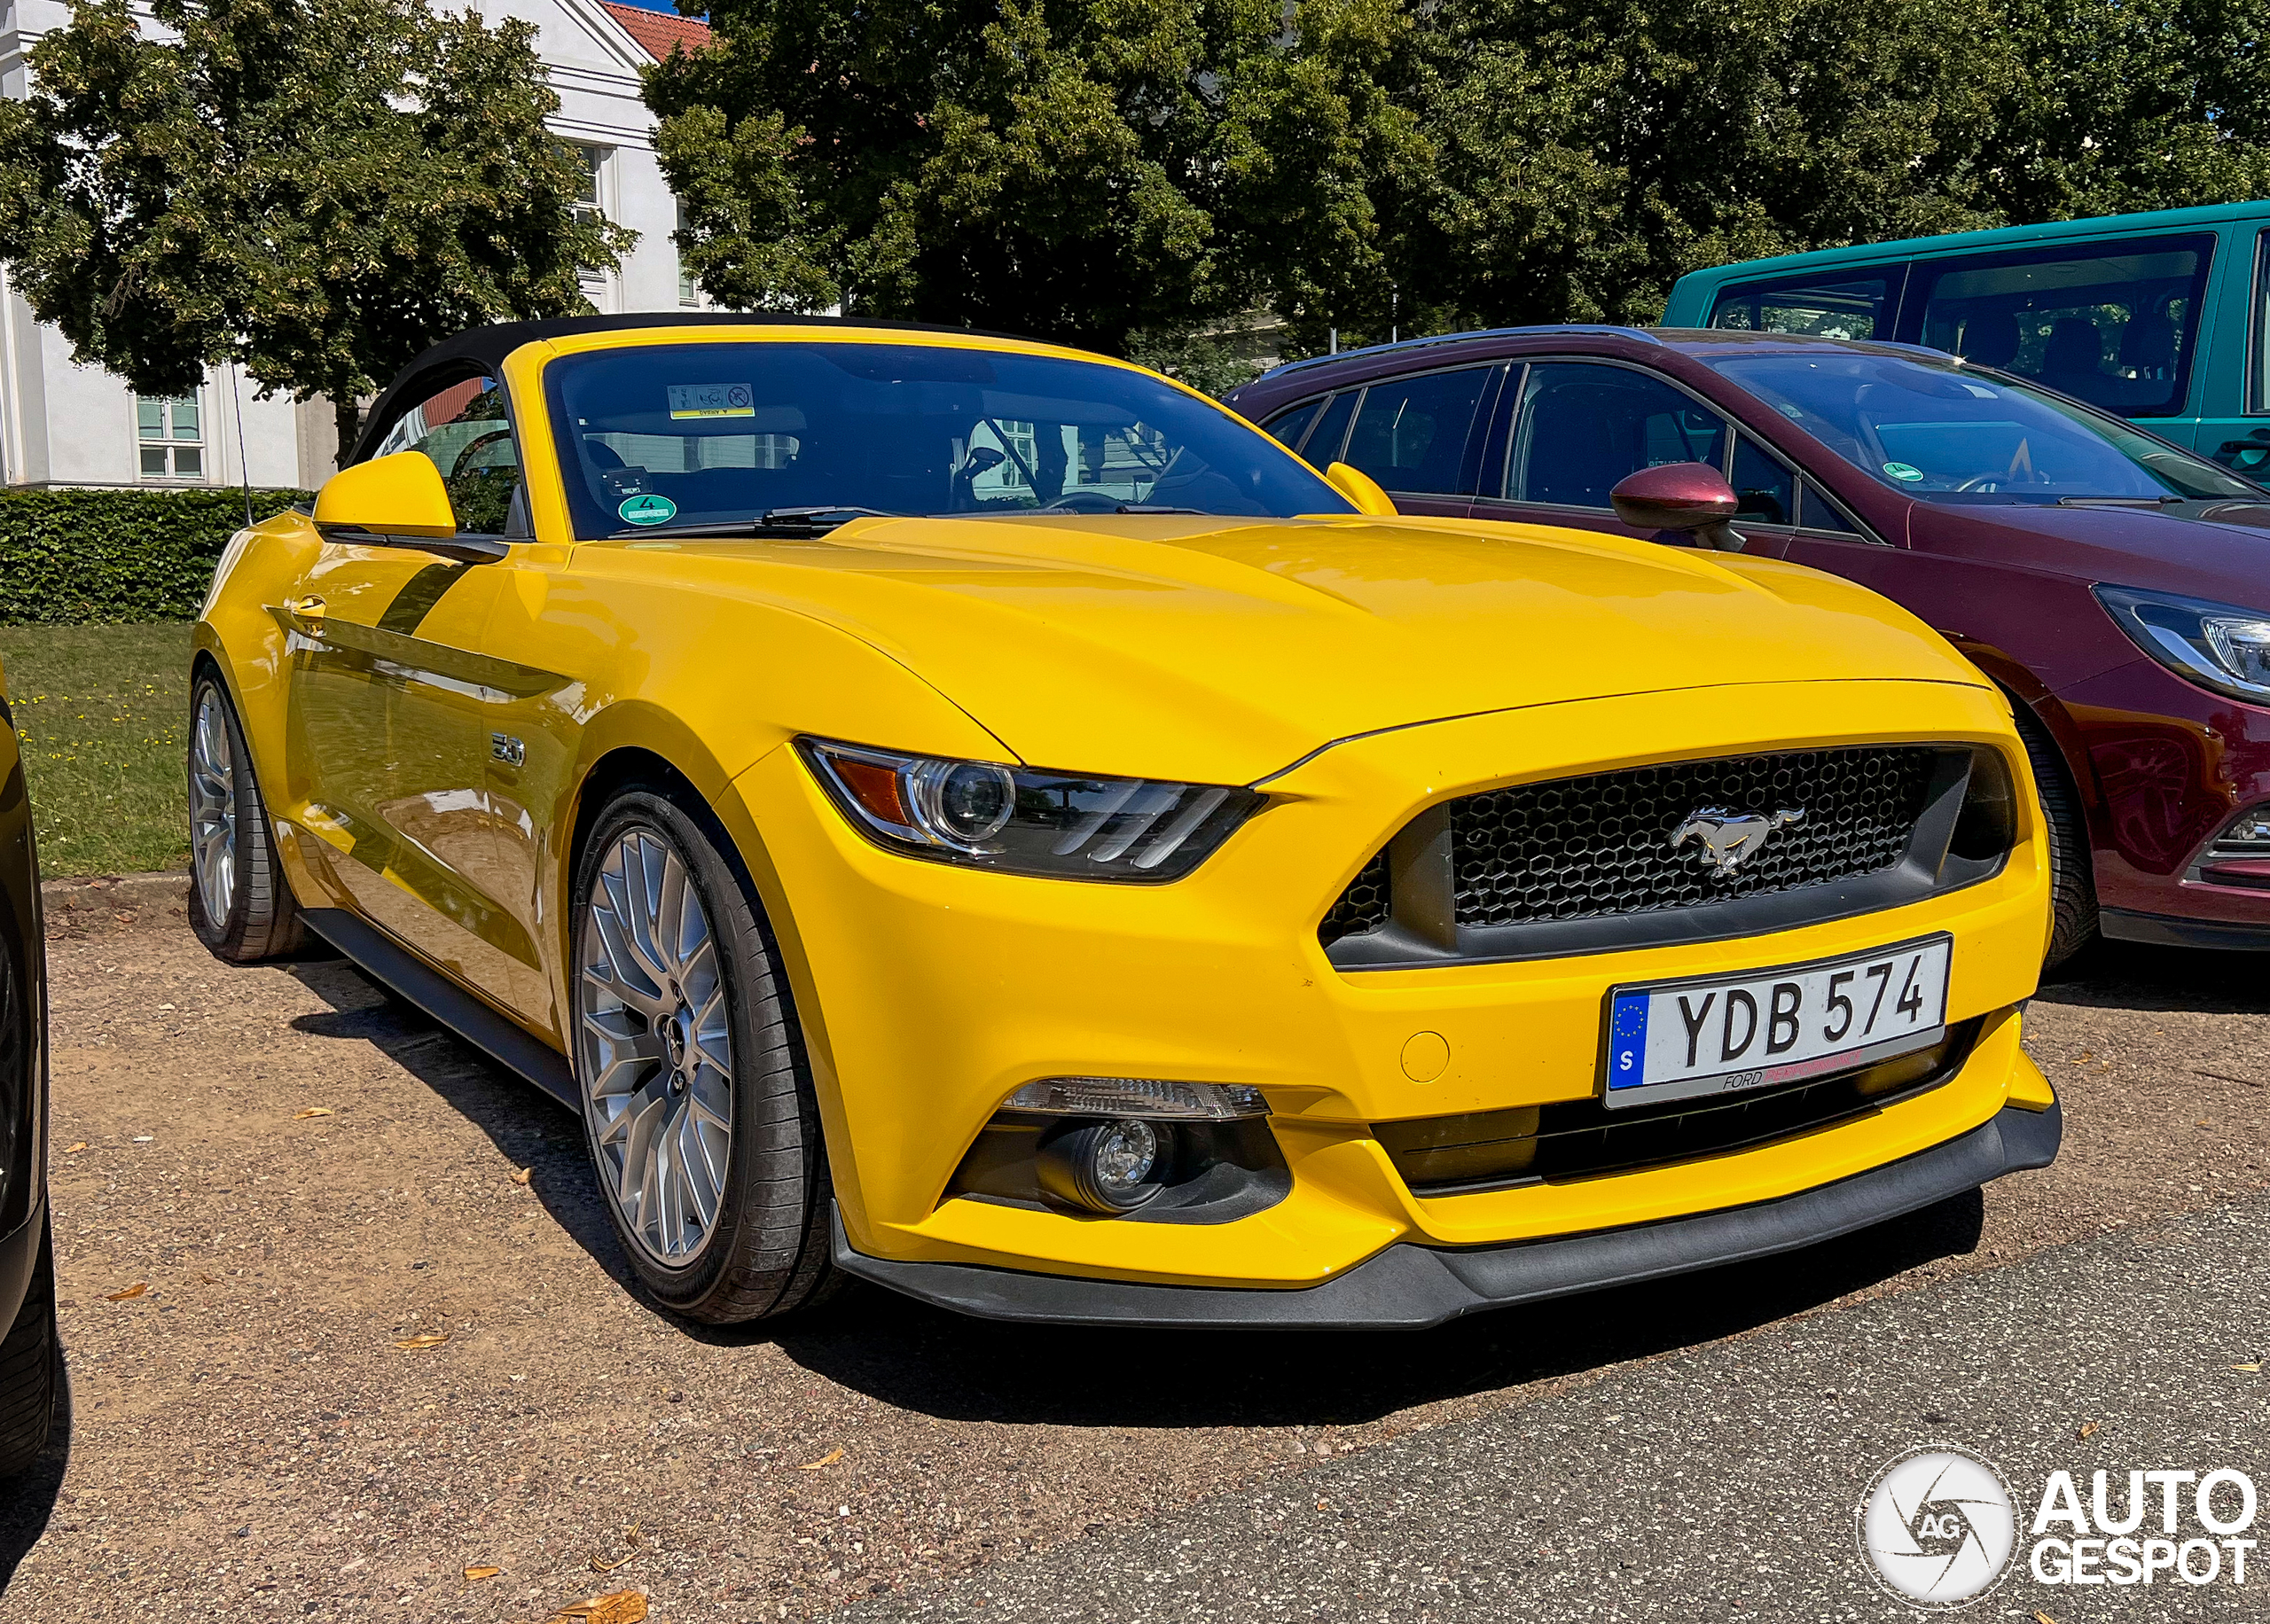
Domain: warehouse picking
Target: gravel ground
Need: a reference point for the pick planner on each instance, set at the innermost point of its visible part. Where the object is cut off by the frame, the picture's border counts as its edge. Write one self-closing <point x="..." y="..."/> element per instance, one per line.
<point x="248" y="1441"/>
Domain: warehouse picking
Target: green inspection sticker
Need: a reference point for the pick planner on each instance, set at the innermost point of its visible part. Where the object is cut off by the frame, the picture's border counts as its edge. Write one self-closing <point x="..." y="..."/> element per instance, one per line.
<point x="1897" y="471"/>
<point x="648" y="510"/>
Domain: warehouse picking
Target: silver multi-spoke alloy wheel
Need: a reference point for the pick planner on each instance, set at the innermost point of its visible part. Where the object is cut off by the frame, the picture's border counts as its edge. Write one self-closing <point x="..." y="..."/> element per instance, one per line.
<point x="213" y="806"/>
<point x="655" y="1048"/>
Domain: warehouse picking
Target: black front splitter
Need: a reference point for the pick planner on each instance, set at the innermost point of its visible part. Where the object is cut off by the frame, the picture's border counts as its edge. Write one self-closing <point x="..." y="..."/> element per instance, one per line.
<point x="1410" y="1287"/>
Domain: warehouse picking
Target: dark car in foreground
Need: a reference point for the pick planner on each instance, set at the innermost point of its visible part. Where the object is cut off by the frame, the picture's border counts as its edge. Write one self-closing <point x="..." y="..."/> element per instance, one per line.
<point x="30" y="1356"/>
<point x="2113" y="584"/>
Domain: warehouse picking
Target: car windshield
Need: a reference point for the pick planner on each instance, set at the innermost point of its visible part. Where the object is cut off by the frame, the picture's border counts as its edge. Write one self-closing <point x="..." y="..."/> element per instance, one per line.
<point x="1948" y="434"/>
<point x="689" y="436"/>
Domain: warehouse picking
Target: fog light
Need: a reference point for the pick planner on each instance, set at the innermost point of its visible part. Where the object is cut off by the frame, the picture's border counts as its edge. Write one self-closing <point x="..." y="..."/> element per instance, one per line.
<point x="1106" y="1168"/>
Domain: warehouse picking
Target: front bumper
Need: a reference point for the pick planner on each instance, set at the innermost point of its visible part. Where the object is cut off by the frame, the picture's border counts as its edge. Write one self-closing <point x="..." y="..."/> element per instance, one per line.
<point x="1410" y="1287"/>
<point x="926" y="994"/>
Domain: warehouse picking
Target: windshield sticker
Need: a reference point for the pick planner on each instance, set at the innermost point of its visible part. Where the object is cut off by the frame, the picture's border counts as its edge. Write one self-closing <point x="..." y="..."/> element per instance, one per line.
<point x="648" y="509"/>
<point x="1903" y="470"/>
<point x="710" y="400"/>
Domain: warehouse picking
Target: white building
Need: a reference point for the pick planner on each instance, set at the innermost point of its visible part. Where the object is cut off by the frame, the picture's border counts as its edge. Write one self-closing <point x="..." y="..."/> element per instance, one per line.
<point x="66" y="425"/>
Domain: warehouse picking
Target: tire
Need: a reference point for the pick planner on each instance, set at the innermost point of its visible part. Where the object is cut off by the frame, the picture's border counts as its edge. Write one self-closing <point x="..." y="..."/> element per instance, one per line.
<point x="697" y="1101"/>
<point x="31" y="1361"/>
<point x="2072" y="882"/>
<point x="239" y="903"/>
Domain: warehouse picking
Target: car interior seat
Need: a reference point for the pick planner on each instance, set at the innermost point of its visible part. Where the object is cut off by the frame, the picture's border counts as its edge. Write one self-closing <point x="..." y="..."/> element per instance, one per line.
<point x="1991" y="338"/>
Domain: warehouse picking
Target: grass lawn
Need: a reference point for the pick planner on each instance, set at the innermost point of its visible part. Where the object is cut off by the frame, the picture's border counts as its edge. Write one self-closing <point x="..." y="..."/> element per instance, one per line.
<point x="103" y="715"/>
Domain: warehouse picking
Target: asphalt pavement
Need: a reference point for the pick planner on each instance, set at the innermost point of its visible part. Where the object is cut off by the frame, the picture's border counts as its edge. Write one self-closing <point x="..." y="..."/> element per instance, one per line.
<point x="1722" y="1483"/>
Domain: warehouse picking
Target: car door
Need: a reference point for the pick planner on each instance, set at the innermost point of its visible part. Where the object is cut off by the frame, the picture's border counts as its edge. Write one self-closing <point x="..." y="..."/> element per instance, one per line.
<point x="1419" y="435"/>
<point x="1575" y="429"/>
<point x="389" y="698"/>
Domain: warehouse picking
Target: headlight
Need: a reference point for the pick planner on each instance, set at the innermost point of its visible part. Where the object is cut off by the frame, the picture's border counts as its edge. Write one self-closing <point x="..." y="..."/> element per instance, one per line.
<point x="2224" y="648"/>
<point x="1063" y="825"/>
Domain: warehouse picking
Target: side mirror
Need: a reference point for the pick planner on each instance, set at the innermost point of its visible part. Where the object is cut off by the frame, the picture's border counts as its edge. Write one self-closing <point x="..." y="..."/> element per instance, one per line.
<point x="398" y="501"/>
<point x="1682" y="503"/>
<point x="1360" y="488"/>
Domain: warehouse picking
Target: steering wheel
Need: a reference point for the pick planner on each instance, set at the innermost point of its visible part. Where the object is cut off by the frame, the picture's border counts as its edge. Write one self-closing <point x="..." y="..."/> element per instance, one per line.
<point x="1084" y="501"/>
<point x="1982" y="483"/>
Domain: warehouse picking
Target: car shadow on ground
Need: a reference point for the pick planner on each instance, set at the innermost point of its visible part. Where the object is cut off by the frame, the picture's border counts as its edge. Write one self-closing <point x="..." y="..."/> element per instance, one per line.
<point x="943" y="1364"/>
<point x="28" y="1503"/>
<point x="526" y="1125"/>
<point x="952" y="1367"/>
<point x="2133" y="975"/>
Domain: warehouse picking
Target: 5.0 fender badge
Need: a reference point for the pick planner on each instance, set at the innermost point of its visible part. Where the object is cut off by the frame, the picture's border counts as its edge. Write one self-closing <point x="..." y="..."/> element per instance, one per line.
<point x="647" y="509"/>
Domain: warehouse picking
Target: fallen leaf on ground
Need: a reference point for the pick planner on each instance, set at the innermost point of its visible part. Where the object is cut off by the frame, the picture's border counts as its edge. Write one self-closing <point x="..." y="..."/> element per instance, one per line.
<point x="621" y="1607"/>
<point x="2088" y="1430"/>
<point x="302" y="1116"/>
<point x="482" y="1572"/>
<point x="430" y="1339"/>
<point x="2246" y="1367"/>
<point x="2040" y="1617"/>
<point x="73" y="1150"/>
<point x="522" y="1177"/>
<point x="135" y="1290"/>
<point x="828" y="1459"/>
<point x="598" y="1566"/>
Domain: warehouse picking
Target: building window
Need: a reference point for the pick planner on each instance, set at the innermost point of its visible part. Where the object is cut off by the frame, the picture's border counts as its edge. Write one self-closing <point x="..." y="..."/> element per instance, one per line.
<point x="590" y="204"/>
<point x="171" y="429"/>
<point x="689" y="293"/>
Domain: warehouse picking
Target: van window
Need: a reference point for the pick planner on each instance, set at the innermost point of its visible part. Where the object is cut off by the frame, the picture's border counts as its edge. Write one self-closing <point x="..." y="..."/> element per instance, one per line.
<point x="1411" y="433"/>
<point x="2257" y="382"/>
<point x="2114" y="324"/>
<point x="1583" y="428"/>
<point x="1856" y="309"/>
<point x="1286" y="427"/>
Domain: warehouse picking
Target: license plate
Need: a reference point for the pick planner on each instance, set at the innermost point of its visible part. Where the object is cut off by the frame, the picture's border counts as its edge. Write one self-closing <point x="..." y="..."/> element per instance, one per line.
<point x="1726" y="1034"/>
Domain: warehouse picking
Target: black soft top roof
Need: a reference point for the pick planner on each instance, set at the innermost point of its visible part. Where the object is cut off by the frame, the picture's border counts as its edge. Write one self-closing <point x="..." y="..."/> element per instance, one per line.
<point x="484" y="349"/>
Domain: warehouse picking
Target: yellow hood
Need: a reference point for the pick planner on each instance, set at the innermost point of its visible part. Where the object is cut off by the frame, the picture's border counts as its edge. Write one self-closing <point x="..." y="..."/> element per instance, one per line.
<point x="1223" y="650"/>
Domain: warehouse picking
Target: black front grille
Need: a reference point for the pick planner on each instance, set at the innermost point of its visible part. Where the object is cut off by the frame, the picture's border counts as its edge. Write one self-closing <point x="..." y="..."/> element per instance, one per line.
<point x="1578" y="848"/>
<point x="1362" y="907"/>
<point x="1582" y="1138"/>
<point x="1597" y="864"/>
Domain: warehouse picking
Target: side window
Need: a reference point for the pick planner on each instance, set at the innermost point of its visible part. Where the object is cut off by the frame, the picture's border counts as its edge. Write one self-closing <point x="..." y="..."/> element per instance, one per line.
<point x="1819" y="513"/>
<point x="1767" y="490"/>
<point x="1854" y="309"/>
<point x="1411" y="433"/>
<point x="2257" y="381"/>
<point x="1287" y="426"/>
<point x="2113" y="323"/>
<point x="1583" y="428"/>
<point x="463" y="431"/>
<point x="1324" y="441"/>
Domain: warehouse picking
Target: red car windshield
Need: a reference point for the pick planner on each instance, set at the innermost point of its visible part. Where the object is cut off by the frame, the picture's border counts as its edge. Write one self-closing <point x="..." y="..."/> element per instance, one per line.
<point x="1947" y="433"/>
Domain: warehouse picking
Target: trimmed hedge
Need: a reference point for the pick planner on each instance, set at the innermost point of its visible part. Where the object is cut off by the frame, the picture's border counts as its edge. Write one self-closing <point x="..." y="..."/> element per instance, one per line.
<point x="89" y="556"/>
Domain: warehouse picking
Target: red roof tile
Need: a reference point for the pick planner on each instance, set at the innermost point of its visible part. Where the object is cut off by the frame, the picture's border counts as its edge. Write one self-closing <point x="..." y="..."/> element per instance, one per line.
<point x="659" y="31"/>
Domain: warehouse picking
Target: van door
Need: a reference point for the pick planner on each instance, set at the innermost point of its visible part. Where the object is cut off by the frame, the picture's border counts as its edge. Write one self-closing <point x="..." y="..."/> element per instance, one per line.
<point x="2234" y="430"/>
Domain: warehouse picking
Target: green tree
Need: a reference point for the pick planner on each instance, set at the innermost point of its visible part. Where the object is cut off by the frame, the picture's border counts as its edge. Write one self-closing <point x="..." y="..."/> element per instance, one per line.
<point x="1078" y="169"/>
<point x="315" y="189"/>
<point x="1588" y="153"/>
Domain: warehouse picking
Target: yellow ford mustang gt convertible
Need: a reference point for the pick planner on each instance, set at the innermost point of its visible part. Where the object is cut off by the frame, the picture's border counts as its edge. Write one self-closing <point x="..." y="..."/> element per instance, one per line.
<point x="983" y="818"/>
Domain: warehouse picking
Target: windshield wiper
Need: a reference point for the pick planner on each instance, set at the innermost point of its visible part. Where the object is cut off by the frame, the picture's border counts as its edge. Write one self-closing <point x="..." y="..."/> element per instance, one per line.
<point x="2119" y="500"/>
<point x="803" y="520"/>
<point x="1125" y="507"/>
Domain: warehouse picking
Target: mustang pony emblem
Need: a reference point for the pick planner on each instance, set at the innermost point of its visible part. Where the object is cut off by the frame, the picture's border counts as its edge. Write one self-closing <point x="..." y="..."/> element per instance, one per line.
<point x="1731" y="838"/>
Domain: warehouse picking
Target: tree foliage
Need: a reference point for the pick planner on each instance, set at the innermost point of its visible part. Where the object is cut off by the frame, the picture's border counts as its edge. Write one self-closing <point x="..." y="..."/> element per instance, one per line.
<point x="1104" y="170"/>
<point x="315" y="189"/>
<point x="1074" y="169"/>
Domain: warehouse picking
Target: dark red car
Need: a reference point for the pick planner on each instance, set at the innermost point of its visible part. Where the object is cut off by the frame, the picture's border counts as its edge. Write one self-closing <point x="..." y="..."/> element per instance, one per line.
<point x="2117" y="587"/>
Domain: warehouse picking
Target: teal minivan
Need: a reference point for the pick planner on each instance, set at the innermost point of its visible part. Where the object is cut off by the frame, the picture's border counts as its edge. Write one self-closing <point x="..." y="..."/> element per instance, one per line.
<point x="2159" y="317"/>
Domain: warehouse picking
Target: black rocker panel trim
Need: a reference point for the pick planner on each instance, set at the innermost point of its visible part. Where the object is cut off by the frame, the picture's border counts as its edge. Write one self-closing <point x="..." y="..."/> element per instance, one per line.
<point x="376" y="954"/>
